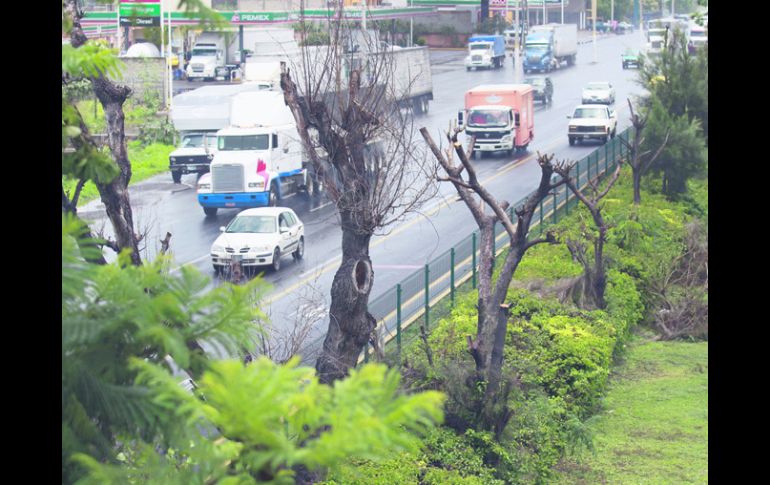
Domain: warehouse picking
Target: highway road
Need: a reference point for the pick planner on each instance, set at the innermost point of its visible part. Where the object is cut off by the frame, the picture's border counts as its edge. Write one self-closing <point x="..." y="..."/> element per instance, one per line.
<point x="300" y="290"/>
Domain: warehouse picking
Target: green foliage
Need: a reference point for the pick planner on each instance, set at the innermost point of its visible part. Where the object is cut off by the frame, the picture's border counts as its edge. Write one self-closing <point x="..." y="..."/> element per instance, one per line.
<point x="684" y="155"/>
<point x="145" y="162"/>
<point x="93" y="58"/>
<point x="80" y="159"/>
<point x="624" y="303"/>
<point x="113" y="313"/>
<point x="420" y="41"/>
<point x="272" y="417"/>
<point x="549" y="262"/>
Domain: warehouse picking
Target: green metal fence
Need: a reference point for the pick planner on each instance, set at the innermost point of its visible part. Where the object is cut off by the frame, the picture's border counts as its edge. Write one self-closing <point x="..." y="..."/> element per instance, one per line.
<point x="414" y="298"/>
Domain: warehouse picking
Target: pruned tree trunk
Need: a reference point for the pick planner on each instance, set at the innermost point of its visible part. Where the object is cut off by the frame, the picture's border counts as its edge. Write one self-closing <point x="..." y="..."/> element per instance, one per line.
<point x="637" y="159"/>
<point x="114" y="195"/>
<point x="359" y="144"/>
<point x="487" y="349"/>
<point x="351" y="325"/>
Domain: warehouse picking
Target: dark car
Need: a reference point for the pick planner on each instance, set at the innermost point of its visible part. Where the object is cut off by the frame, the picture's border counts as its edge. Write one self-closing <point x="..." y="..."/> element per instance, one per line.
<point x="630" y="58"/>
<point x="543" y="88"/>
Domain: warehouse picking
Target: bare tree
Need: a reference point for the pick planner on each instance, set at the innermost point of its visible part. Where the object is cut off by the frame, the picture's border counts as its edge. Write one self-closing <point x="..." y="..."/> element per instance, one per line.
<point x="114" y="195"/>
<point x="594" y="275"/>
<point x="487" y="348"/>
<point x="638" y="160"/>
<point x="362" y="147"/>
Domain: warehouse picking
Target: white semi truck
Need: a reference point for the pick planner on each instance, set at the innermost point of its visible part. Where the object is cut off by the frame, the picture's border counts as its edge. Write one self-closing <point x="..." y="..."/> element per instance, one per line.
<point x="259" y="158"/>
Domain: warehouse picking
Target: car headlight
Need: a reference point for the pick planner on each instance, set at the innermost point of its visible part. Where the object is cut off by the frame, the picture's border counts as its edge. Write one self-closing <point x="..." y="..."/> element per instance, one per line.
<point x="573" y="128"/>
<point x="217" y="248"/>
<point x="173" y="159"/>
<point x="506" y="138"/>
<point x="204" y="186"/>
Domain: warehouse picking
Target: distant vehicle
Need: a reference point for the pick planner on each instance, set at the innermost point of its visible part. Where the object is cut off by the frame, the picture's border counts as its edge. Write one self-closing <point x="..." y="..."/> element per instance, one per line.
<point x="543" y="88"/>
<point x="547" y="46"/>
<point x="485" y="51"/>
<point x="656" y="33"/>
<point x="624" y="28"/>
<point x="501" y="116"/>
<point x="598" y="92"/>
<point x="208" y="57"/>
<point x="630" y="58"/>
<point x="592" y="121"/>
<point x="384" y="46"/>
<point x="259" y="237"/>
<point x="194" y="155"/>
<point x="510" y="35"/>
<point x="698" y="36"/>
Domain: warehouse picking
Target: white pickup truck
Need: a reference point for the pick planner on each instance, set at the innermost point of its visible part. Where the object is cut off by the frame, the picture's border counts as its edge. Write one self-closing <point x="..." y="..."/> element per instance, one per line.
<point x="592" y="121"/>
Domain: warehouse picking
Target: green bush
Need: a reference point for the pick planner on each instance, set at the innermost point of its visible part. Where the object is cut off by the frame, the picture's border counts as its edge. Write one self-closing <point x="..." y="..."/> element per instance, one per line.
<point x="420" y="41"/>
<point x="549" y="262"/>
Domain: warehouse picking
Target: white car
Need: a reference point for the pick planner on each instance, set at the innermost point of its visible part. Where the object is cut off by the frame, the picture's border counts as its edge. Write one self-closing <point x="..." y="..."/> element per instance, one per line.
<point x="259" y="237"/>
<point x="598" y="92"/>
<point x="592" y="121"/>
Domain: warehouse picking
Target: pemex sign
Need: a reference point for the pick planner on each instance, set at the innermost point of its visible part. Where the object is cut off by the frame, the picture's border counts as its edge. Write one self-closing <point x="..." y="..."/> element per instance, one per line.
<point x="143" y="13"/>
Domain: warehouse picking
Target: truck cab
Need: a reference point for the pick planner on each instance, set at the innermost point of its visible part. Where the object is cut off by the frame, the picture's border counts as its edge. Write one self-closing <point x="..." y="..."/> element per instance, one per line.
<point x="538" y="55"/>
<point x="259" y="158"/>
<point x="500" y="116"/>
<point x="194" y="155"/>
<point x="485" y="51"/>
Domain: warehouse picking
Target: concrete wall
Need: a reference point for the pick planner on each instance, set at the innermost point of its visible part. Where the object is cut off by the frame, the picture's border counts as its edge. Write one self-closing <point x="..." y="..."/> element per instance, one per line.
<point x="462" y="21"/>
<point x="142" y="75"/>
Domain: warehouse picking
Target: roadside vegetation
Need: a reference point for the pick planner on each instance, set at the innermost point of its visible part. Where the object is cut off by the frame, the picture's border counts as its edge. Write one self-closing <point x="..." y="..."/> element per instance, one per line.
<point x="654" y="428"/>
<point x="576" y="375"/>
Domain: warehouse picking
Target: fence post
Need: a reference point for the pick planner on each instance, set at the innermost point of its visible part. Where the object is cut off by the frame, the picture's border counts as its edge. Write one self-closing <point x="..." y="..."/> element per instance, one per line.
<point x="554" y="206"/>
<point x="473" y="264"/>
<point x="540" y="227"/>
<point x="494" y="245"/>
<point x="452" y="274"/>
<point x="588" y="167"/>
<point x="606" y="151"/>
<point x="577" y="177"/>
<point x="366" y="352"/>
<point x="427" y="297"/>
<point x="398" y="321"/>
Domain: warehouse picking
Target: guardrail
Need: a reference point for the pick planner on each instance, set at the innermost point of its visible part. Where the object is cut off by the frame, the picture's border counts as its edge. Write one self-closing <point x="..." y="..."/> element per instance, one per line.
<point x="415" y="296"/>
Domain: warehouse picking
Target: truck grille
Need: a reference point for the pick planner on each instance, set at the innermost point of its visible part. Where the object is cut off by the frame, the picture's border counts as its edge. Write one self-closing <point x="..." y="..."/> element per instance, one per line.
<point x="197" y="67"/>
<point x="476" y="58"/>
<point x="590" y="128"/>
<point x="191" y="159"/>
<point x="227" y="178"/>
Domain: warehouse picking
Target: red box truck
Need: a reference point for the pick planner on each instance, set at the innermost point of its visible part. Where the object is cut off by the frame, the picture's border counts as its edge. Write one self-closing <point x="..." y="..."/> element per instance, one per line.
<point x="500" y="115"/>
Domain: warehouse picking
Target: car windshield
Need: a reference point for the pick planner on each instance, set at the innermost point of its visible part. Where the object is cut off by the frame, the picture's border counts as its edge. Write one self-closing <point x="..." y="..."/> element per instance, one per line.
<point x="487" y="118"/>
<point x="249" y="142"/>
<point x="252" y="224"/>
<point x="203" y="52"/>
<point x="590" y="113"/>
<point x="534" y="81"/>
<point x="536" y="48"/>
<point x="192" y="141"/>
<point x="597" y="86"/>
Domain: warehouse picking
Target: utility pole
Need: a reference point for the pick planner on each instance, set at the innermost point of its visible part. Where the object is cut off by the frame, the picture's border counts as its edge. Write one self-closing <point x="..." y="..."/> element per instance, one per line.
<point x="411" y="26"/>
<point x="612" y="10"/>
<point x="593" y="26"/>
<point x="562" y="11"/>
<point x="545" y="15"/>
<point x="363" y="15"/>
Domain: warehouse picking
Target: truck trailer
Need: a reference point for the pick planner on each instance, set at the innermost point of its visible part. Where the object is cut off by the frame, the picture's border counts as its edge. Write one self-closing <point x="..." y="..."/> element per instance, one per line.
<point x="501" y="116"/>
<point x="548" y="46"/>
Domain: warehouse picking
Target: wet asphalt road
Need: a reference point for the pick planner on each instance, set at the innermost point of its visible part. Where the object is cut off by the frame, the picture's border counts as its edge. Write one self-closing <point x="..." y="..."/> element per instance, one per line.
<point x="302" y="288"/>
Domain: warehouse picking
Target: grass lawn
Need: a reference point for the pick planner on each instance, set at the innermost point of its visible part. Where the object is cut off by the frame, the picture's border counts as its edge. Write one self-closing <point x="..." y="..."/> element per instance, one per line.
<point x="145" y="162"/>
<point x="654" y="428"/>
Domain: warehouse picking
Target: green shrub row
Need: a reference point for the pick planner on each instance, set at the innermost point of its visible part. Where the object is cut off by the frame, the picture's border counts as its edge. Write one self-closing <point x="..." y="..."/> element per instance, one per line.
<point x="560" y="355"/>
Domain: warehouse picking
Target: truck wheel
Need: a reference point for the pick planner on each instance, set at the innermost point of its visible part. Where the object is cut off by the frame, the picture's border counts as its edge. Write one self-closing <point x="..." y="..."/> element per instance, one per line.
<point x="217" y="270"/>
<point x="468" y="69"/>
<point x="272" y="198"/>
<point x="604" y="139"/>
<point x="276" y="260"/>
<point x="300" y="249"/>
<point x="571" y="141"/>
<point x="176" y="176"/>
<point x="477" y="155"/>
<point x="210" y="211"/>
<point x="425" y="105"/>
